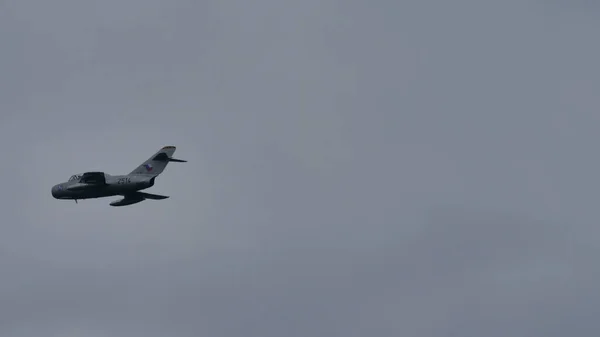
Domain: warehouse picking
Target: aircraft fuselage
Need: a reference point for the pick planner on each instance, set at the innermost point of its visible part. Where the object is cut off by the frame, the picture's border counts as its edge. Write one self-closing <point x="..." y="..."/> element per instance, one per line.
<point x="94" y="184"/>
<point x="110" y="186"/>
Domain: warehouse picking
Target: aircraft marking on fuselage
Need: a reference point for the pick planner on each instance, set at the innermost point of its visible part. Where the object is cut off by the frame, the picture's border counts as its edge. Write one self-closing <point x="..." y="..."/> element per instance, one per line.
<point x="125" y="180"/>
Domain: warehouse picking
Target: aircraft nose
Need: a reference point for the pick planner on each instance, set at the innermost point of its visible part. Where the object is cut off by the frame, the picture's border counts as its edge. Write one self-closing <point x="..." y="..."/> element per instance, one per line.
<point x="54" y="191"/>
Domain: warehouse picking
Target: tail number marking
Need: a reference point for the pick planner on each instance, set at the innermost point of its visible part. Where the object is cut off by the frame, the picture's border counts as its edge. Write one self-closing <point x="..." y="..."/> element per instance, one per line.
<point x="122" y="181"/>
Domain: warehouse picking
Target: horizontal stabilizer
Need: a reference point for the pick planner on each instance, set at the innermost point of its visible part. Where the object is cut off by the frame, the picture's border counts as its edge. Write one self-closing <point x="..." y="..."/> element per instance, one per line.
<point x="163" y="157"/>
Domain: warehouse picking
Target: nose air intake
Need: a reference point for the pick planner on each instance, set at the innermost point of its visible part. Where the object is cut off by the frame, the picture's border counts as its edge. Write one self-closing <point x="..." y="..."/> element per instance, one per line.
<point x="54" y="191"/>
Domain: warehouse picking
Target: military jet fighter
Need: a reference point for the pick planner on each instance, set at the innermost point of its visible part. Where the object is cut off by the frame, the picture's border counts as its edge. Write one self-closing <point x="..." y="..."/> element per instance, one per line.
<point x="99" y="184"/>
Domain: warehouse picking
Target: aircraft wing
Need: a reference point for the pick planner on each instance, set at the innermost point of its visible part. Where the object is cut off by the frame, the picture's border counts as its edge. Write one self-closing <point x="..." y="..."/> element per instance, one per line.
<point x="135" y="197"/>
<point x="151" y="196"/>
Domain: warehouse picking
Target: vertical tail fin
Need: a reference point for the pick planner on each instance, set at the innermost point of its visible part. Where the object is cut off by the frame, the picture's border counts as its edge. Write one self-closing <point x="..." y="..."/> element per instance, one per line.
<point x="156" y="164"/>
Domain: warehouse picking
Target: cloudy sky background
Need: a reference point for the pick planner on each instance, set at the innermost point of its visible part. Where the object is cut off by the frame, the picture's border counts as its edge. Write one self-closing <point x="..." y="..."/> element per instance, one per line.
<point x="356" y="168"/>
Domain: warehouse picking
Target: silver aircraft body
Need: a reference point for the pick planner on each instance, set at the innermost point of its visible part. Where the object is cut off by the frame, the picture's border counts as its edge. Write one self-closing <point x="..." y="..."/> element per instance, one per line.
<point x="90" y="185"/>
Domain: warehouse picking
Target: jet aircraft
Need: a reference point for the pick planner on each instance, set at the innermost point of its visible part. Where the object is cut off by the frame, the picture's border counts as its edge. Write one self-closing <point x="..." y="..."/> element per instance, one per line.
<point x="99" y="184"/>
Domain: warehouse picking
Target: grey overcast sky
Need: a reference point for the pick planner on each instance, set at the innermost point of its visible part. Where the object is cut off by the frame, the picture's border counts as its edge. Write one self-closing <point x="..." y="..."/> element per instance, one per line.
<point x="356" y="168"/>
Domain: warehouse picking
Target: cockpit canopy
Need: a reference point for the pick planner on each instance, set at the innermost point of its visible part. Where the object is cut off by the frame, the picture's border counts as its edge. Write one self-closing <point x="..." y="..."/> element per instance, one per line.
<point x="89" y="178"/>
<point x="75" y="177"/>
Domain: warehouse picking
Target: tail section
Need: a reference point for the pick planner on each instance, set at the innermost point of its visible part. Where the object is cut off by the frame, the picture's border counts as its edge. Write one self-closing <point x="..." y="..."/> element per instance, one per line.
<point x="156" y="164"/>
